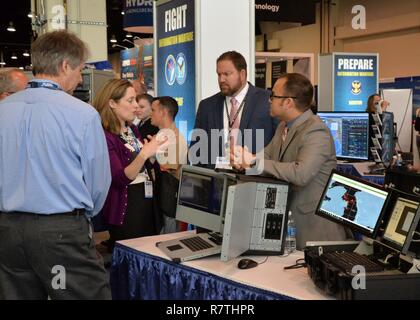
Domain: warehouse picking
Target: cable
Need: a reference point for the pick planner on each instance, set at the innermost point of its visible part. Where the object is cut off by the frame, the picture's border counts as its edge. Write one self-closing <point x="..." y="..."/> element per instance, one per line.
<point x="300" y="263"/>
<point x="265" y="260"/>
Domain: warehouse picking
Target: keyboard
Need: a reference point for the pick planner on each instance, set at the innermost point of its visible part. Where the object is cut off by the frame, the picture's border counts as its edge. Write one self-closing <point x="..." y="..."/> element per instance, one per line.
<point x="347" y="260"/>
<point x="196" y="244"/>
<point x="216" y="238"/>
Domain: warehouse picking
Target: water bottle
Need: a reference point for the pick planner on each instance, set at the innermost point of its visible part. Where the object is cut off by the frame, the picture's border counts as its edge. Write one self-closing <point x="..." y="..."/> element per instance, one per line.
<point x="290" y="243"/>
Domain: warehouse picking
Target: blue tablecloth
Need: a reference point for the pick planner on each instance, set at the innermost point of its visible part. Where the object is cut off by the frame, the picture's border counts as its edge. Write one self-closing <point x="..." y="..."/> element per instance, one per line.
<point x="138" y="275"/>
<point x="351" y="170"/>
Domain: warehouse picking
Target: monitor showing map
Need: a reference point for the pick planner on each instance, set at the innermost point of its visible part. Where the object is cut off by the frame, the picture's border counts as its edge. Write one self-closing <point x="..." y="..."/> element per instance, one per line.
<point x="350" y="131"/>
<point x="353" y="202"/>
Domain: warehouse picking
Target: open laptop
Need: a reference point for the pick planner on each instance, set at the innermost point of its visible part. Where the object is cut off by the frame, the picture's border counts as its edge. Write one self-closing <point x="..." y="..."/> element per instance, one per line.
<point x="201" y="202"/>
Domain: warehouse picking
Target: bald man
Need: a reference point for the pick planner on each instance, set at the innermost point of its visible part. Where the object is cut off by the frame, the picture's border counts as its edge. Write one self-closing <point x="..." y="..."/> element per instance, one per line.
<point x="11" y="80"/>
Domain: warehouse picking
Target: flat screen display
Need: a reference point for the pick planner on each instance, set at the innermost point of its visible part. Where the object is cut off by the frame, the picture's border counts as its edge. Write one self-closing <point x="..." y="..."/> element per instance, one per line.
<point x="399" y="223"/>
<point x="353" y="202"/>
<point x="350" y="131"/>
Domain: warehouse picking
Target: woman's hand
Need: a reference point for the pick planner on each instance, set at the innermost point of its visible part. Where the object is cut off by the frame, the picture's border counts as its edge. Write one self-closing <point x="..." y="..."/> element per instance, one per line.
<point x="152" y="146"/>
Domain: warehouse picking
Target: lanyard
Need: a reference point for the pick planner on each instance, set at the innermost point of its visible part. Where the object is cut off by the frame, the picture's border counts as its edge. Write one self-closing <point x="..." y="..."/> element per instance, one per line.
<point x="230" y="123"/>
<point x="42" y="84"/>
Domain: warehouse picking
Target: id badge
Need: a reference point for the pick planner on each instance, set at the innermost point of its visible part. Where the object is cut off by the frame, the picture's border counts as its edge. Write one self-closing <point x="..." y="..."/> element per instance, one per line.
<point x="223" y="163"/>
<point x="148" y="189"/>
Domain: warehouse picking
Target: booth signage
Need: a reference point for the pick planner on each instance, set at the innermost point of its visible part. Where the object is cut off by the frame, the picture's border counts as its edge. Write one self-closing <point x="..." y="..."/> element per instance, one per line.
<point x="129" y="63"/>
<point x="285" y="10"/>
<point x="138" y="16"/>
<point x="175" y="63"/>
<point x="355" y="79"/>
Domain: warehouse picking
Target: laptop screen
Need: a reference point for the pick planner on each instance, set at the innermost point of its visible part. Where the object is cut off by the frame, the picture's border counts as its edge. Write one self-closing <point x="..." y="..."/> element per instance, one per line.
<point x="399" y="223"/>
<point x="353" y="202"/>
<point x="201" y="192"/>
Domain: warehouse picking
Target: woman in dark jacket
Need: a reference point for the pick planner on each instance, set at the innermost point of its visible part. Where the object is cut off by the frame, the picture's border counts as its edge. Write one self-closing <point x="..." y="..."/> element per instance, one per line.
<point x="127" y="211"/>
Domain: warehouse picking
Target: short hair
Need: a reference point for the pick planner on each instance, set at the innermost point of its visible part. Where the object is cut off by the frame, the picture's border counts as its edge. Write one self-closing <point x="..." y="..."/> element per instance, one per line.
<point x="299" y="86"/>
<point x="50" y="50"/>
<point x="114" y="89"/>
<point x="237" y="59"/>
<point x="144" y="96"/>
<point x="169" y="104"/>
<point x="6" y="80"/>
<point x="371" y="108"/>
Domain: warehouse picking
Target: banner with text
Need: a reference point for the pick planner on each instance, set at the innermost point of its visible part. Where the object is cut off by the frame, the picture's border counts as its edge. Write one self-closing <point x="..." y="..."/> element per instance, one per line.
<point x="355" y="79"/>
<point x="130" y="63"/>
<point x="175" y="41"/>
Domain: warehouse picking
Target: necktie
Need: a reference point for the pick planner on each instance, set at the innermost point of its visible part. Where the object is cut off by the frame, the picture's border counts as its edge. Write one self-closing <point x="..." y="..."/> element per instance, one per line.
<point x="235" y="125"/>
<point x="284" y="134"/>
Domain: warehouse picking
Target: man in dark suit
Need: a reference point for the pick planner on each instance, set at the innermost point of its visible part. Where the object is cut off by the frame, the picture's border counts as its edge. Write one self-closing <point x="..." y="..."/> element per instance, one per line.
<point x="229" y="119"/>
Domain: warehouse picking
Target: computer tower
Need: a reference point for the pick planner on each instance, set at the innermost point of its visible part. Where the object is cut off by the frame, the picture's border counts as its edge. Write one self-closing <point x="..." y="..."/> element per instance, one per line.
<point x="92" y="81"/>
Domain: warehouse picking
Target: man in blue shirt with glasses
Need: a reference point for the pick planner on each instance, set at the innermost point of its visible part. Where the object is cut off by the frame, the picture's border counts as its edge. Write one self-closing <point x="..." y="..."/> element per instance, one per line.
<point x="54" y="177"/>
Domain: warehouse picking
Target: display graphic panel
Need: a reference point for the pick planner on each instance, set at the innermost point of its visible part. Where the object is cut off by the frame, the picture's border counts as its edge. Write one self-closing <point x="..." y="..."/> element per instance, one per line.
<point x="175" y="34"/>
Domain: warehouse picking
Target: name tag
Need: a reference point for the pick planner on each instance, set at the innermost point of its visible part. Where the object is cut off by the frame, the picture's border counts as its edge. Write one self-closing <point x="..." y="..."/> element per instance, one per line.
<point x="148" y="189"/>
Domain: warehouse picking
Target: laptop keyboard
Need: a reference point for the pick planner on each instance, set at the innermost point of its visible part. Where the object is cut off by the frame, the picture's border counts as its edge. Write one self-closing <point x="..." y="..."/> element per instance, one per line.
<point x="196" y="244"/>
<point x="347" y="260"/>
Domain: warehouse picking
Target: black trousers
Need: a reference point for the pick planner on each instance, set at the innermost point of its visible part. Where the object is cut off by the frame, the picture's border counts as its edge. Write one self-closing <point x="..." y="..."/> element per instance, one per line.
<point x="52" y="256"/>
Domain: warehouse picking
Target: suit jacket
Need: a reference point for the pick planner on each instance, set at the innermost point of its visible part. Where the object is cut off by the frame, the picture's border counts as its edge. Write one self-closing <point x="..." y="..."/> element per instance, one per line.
<point x="255" y="115"/>
<point x="305" y="160"/>
<point x="147" y="129"/>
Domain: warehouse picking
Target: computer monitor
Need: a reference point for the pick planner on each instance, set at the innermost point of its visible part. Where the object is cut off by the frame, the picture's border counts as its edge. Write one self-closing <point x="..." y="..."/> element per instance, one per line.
<point x="399" y="223"/>
<point x="202" y="197"/>
<point x="350" y="131"/>
<point x="354" y="203"/>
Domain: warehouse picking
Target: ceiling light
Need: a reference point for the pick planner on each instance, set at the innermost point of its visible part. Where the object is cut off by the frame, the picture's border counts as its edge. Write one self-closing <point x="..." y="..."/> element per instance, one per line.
<point x="21" y="68"/>
<point x="122" y="12"/>
<point x="113" y="39"/>
<point x="118" y="46"/>
<point x="14" y="56"/>
<point x="11" y="27"/>
<point x="26" y="53"/>
<point x="128" y="35"/>
<point x="2" y="63"/>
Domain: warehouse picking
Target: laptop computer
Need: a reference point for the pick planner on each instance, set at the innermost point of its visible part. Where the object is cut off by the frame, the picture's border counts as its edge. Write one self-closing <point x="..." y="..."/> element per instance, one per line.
<point x="192" y="247"/>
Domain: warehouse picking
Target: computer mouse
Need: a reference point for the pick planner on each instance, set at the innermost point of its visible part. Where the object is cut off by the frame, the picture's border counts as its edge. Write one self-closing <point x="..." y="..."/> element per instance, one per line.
<point x="247" y="264"/>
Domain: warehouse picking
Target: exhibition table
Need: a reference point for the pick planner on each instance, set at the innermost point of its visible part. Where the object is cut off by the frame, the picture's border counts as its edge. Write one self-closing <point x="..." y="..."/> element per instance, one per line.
<point x="140" y="270"/>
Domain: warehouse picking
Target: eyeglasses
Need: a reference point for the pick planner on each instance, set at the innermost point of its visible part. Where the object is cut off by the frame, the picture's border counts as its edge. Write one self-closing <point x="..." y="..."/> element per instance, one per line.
<point x="272" y="96"/>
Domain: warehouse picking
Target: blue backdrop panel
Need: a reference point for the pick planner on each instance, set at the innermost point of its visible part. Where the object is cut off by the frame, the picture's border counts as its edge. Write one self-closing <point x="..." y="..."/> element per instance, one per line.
<point x="175" y="40"/>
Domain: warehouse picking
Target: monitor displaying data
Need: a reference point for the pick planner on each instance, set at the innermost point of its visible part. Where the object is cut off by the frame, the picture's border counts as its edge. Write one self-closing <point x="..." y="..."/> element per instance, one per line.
<point x="202" y="197"/>
<point x="350" y="131"/>
<point x="399" y="223"/>
<point x="353" y="202"/>
<point x="201" y="192"/>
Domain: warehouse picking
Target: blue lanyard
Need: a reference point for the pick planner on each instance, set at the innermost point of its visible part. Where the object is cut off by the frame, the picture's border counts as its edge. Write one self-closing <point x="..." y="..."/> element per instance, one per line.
<point x="41" y="84"/>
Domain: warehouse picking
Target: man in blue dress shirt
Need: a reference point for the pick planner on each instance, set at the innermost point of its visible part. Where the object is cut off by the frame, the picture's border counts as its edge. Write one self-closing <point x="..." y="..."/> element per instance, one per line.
<point x="54" y="177"/>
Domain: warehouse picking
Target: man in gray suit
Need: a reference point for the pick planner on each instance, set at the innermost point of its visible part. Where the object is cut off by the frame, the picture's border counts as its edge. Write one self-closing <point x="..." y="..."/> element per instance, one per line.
<point x="302" y="153"/>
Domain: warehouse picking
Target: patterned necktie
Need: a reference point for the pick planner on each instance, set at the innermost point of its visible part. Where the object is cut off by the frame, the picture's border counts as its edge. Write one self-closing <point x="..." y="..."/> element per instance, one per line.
<point x="235" y="124"/>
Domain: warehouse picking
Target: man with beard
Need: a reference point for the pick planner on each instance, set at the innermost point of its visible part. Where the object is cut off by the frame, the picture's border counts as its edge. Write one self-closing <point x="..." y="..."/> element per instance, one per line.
<point x="229" y="113"/>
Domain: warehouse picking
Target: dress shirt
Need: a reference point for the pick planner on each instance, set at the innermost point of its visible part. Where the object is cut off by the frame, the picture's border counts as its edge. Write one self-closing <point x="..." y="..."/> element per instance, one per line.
<point x="53" y="154"/>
